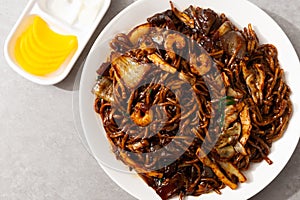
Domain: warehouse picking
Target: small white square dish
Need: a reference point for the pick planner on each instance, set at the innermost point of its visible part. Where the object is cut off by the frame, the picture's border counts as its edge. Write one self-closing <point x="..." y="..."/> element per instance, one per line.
<point x="50" y="35"/>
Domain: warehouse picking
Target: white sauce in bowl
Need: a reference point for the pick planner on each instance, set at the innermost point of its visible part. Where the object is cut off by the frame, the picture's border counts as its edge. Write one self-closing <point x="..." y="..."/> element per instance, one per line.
<point x="81" y="12"/>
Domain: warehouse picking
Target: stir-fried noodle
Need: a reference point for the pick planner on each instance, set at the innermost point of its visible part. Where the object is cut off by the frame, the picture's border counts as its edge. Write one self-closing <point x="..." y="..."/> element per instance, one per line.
<point x="189" y="101"/>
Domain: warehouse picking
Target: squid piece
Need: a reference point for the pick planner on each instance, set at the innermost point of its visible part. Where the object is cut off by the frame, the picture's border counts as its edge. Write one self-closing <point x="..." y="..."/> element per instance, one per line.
<point x="158" y="61"/>
<point x="260" y="81"/>
<point x="229" y="136"/>
<point x="226" y="152"/>
<point x="230" y="170"/>
<point x="121" y="43"/>
<point x="211" y="20"/>
<point x="129" y="70"/>
<point x="232" y="113"/>
<point x="238" y="147"/>
<point x="255" y="78"/>
<point x="246" y="125"/>
<point x="246" y="129"/>
<point x="215" y="168"/>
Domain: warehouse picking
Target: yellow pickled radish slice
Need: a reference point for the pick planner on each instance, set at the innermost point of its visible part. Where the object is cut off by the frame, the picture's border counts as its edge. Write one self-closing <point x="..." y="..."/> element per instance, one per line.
<point x="37" y="62"/>
<point x="27" y="66"/>
<point x="37" y="56"/>
<point x="34" y="66"/>
<point x="49" y="39"/>
<point x="41" y="51"/>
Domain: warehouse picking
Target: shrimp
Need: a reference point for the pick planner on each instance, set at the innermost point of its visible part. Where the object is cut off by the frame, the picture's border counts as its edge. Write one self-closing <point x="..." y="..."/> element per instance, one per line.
<point x="172" y="39"/>
<point x="141" y="116"/>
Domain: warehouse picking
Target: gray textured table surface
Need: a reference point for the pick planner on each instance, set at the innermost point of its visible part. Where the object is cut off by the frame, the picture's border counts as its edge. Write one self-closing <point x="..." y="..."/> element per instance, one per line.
<point x="41" y="155"/>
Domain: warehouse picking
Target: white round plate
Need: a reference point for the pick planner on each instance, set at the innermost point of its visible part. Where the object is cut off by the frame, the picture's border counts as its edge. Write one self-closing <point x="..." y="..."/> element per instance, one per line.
<point x="259" y="175"/>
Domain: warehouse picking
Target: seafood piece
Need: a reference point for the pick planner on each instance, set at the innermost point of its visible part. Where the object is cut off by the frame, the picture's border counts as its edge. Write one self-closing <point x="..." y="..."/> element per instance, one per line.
<point x="206" y="161"/>
<point x="158" y="61"/>
<point x="141" y="116"/>
<point x="231" y="170"/>
<point x="246" y="125"/>
<point x="201" y="64"/>
<point x="176" y="40"/>
<point x="229" y="136"/>
<point x="171" y="186"/>
<point x="238" y="147"/>
<point x="226" y="152"/>
<point x="255" y="78"/>
<point x="200" y="60"/>
<point x="232" y="113"/>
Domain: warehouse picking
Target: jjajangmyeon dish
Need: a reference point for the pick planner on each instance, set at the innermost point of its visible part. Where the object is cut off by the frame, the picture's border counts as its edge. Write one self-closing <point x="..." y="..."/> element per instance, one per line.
<point x="189" y="101"/>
